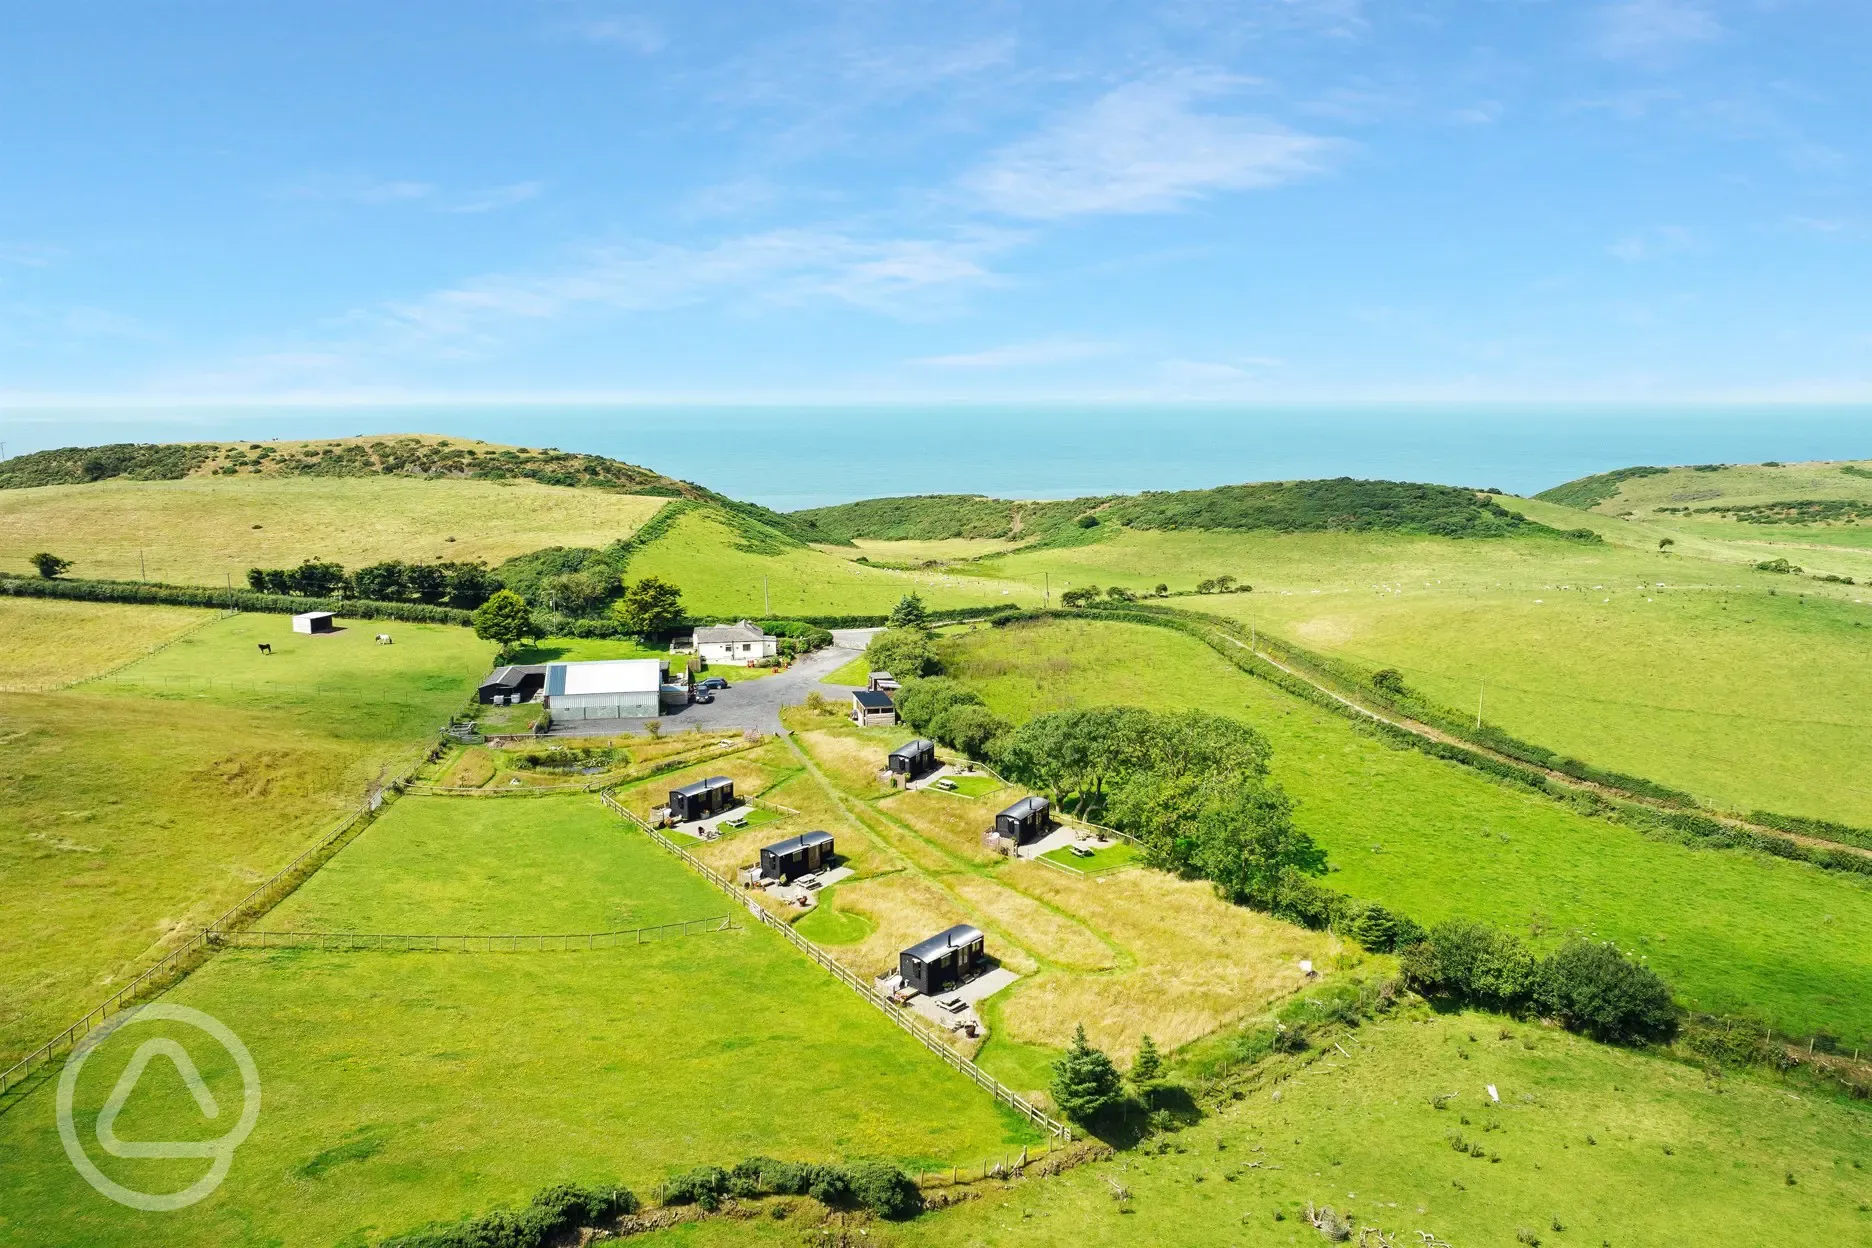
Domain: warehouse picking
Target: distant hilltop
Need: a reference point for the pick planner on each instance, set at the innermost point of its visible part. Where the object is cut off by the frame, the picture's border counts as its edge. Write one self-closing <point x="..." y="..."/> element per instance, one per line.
<point x="416" y="455"/>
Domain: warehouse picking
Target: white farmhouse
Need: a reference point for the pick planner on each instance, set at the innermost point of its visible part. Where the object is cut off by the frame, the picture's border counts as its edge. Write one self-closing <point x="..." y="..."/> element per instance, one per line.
<point x="735" y="644"/>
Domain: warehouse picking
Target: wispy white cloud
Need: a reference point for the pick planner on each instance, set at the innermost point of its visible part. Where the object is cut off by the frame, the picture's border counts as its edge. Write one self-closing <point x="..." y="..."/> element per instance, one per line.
<point x="1653" y="244"/>
<point x="1642" y="30"/>
<point x="1019" y="355"/>
<point x="900" y="276"/>
<point x="630" y="31"/>
<point x="1144" y="147"/>
<point x="493" y="198"/>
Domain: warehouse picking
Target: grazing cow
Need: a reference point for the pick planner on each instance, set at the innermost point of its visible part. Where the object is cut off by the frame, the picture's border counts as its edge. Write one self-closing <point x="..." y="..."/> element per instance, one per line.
<point x="383" y="639"/>
<point x="265" y="648"/>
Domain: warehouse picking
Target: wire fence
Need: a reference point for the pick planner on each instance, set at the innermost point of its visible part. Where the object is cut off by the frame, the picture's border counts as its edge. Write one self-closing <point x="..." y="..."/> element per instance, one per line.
<point x="191" y="952"/>
<point x="908" y="1022"/>
<point x="520" y="942"/>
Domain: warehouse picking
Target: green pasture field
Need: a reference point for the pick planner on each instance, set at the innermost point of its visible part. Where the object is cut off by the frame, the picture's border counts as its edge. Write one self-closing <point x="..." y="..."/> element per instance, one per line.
<point x="975" y="786"/>
<point x="1616" y="1147"/>
<point x="1735" y="685"/>
<point x="142" y="806"/>
<point x="400" y="1087"/>
<point x="210" y="530"/>
<point x="51" y="643"/>
<point x="460" y="865"/>
<point x="700" y="554"/>
<point x="856" y="673"/>
<point x="1732" y="932"/>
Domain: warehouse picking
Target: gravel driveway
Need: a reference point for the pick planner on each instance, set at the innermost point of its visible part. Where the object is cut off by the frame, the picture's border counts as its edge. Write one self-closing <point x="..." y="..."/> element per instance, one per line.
<point x="755" y="704"/>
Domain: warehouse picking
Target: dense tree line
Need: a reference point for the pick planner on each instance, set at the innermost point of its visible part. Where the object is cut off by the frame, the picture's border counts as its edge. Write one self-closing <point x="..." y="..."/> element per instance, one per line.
<point x="449" y="584"/>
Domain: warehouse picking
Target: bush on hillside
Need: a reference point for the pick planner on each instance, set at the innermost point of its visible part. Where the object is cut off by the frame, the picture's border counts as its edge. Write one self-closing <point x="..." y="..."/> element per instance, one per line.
<point x="1593" y="988"/>
<point x="884" y="1190"/>
<point x="547" y="1218"/>
<point x="905" y="653"/>
<point x="49" y="566"/>
<point x="1085" y="1082"/>
<point x="703" y="1185"/>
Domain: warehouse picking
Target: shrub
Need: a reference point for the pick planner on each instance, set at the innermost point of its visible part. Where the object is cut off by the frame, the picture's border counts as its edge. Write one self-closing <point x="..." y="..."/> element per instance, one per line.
<point x="1080" y="597"/>
<point x="1389" y="681"/>
<point x="903" y="652"/>
<point x="828" y="1185"/>
<point x="1593" y="988"/>
<point x="548" y="1217"/>
<point x="704" y="1186"/>
<point x="1472" y="962"/>
<point x="909" y="613"/>
<point x="1375" y="927"/>
<point x="884" y="1190"/>
<point x="49" y="566"/>
<point x="1777" y="565"/>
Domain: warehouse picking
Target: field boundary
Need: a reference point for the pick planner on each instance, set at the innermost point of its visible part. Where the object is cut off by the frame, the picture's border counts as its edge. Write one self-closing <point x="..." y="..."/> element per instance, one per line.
<point x="192" y="952"/>
<point x="558" y="942"/>
<point x="222" y="614"/>
<point x="982" y="1079"/>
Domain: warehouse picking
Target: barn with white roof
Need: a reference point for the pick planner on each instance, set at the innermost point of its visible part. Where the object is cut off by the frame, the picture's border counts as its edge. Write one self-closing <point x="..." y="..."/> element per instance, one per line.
<point x="606" y="689"/>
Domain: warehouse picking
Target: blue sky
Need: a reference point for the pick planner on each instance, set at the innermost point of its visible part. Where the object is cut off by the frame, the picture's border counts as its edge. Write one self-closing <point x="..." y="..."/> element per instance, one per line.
<point x="1190" y="199"/>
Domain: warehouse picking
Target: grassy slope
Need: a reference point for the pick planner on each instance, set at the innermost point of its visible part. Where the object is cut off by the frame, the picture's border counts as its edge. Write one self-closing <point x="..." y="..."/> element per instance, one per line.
<point x="475" y="1078"/>
<point x="700" y="554"/>
<point x="51" y="643"/>
<point x="1359" y="1134"/>
<point x="1731" y="932"/>
<point x="142" y="805"/>
<point x="200" y="530"/>
<point x="1713" y="685"/>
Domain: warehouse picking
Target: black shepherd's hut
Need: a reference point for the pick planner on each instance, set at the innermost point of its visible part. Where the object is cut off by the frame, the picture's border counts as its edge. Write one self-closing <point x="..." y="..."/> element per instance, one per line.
<point x="797" y="855"/>
<point x="945" y="960"/>
<point x="701" y="799"/>
<point x="1024" y="820"/>
<point x="913" y="758"/>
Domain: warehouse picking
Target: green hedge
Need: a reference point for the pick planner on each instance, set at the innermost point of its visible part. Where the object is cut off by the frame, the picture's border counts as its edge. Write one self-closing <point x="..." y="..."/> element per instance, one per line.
<point x="235" y="599"/>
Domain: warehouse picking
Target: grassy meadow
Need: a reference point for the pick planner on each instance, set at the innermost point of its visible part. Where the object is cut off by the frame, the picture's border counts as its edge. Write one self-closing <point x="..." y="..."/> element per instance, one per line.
<point x="1612" y="1146"/>
<point x="143" y="805"/>
<point x="208" y="530"/>
<point x="702" y="554"/>
<point x="1732" y="932"/>
<point x="52" y="643"/>
<point x="1738" y="686"/>
<point x="627" y="1063"/>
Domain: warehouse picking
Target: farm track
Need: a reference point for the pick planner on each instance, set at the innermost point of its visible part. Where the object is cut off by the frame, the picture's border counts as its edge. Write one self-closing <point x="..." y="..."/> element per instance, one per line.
<point x="1429" y="733"/>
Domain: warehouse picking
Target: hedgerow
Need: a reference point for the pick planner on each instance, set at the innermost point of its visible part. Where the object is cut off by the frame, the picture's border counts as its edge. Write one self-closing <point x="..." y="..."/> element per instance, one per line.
<point x="551" y="1214"/>
<point x="234" y="599"/>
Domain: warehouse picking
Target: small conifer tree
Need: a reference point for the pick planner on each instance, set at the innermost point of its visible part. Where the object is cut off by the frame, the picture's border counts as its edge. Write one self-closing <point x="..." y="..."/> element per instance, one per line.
<point x="1085" y="1083"/>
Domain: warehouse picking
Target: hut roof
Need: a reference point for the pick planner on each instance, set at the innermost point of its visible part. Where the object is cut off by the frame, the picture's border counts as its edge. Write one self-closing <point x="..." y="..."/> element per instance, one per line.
<point x="942" y="942"/>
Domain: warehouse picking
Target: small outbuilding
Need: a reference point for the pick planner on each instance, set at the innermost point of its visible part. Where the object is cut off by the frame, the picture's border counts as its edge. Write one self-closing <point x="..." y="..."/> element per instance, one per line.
<point x="1026" y="820"/>
<point x="516" y="682"/>
<point x="870" y="707"/>
<point x="796" y="856"/>
<point x="882" y="682"/>
<point x="315" y="622"/>
<point x="913" y="758"/>
<point x="702" y="799"/>
<point x="946" y="960"/>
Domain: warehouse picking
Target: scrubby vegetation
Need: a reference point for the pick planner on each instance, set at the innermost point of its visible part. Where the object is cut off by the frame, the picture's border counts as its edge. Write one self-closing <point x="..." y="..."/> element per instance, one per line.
<point x="559" y="1209"/>
<point x="80" y="465"/>
<point x="1585" y="492"/>
<point x="877" y="1187"/>
<point x="455" y="584"/>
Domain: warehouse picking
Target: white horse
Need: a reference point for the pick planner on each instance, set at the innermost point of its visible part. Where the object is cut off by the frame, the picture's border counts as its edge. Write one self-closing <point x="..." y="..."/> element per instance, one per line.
<point x="383" y="639"/>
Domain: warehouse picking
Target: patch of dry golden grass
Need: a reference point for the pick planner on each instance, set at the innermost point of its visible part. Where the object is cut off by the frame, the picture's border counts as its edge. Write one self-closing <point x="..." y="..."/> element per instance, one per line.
<point x="51" y="642"/>
<point x="753" y="773"/>
<point x="1201" y="962"/>
<point x="1047" y="933"/>
<point x="906" y="909"/>
<point x="854" y="758"/>
<point x="955" y="823"/>
<point x="473" y="769"/>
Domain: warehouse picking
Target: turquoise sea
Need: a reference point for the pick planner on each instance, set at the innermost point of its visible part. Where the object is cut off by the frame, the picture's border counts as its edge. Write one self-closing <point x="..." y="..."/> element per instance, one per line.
<point x="790" y="457"/>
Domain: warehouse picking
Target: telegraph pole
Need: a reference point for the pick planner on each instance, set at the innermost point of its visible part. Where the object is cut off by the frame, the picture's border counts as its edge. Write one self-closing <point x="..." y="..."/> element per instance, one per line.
<point x="142" y="569"/>
<point x="1481" y="690"/>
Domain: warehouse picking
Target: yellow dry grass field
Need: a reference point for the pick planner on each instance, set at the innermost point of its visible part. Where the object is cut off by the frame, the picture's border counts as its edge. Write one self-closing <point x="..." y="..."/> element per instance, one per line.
<point x="210" y="530"/>
<point x="1199" y="962"/>
<point x="854" y="758"/>
<point x="908" y="908"/>
<point x="954" y="823"/>
<point x="753" y="773"/>
<point x="52" y="643"/>
<point x="1045" y="931"/>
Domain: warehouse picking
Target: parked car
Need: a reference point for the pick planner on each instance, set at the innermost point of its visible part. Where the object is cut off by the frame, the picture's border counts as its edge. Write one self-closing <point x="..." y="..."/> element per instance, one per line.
<point x="700" y="694"/>
<point x="711" y="682"/>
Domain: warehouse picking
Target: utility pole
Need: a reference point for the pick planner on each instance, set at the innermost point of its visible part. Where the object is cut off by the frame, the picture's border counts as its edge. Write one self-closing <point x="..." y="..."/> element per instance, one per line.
<point x="142" y="570"/>
<point x="1481" y="690"/>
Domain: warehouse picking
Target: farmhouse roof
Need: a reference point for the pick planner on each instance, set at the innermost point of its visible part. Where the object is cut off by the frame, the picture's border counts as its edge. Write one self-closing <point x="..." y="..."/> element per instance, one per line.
<point x="716" y="634"/>
<point x="793" y="844"/>
<point x="942" y="942"/>
<point x="604" y="676"/>
<point x="871" y="700"/>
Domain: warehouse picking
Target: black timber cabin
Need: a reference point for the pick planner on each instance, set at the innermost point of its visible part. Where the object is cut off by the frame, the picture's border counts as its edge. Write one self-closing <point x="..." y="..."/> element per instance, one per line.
<point x="944" y="961"/>
<point x="913" y="758"/>
<point x="701" y="799"/>
<point x="797" y="856"/>
<point x="1025" y="820"/>
<point x="516" y="682"/>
